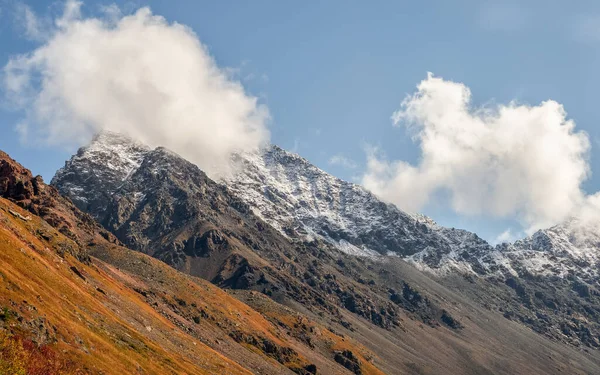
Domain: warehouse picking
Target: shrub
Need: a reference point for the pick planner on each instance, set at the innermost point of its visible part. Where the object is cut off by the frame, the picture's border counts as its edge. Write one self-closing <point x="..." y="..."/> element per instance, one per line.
<point x="19" y="356"/>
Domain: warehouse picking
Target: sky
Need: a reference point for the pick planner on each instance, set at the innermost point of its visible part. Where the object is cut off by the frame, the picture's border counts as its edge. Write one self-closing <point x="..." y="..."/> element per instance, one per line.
<point x="499" y="139"/>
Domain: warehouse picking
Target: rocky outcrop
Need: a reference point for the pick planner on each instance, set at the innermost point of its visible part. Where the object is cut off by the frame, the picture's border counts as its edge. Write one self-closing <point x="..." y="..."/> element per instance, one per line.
<point x="31" y="193"/>
<point x="347" y="359"/>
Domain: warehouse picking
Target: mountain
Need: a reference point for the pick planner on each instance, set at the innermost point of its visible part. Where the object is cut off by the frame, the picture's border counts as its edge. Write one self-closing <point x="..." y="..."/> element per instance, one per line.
<point x="170" y="209"/>
<point x="104" y="165"/>
<point x="570" y="249"/>
<point x="300" y="199"/>
<point x="73" y="300"/>
<point x="332" y="251"/>
<point x="550" y="278"/>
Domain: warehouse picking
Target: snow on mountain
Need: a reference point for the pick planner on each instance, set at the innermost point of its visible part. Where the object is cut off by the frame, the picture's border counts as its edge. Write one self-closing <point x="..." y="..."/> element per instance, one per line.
<point x="300" y="199"/>
<point x="304" y="202"/>
<point x="568" y="249"/>
<point x="107" y="161"/>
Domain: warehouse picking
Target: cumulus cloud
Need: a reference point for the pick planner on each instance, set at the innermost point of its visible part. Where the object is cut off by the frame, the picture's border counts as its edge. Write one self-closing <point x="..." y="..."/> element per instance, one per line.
<point x="510" y="160"/>
<point x="342" y="161"/>
<point x="136" y="74"/>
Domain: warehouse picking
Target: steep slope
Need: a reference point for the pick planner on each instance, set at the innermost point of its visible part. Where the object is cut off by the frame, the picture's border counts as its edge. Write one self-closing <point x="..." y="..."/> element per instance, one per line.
<point x="31" y="193"/>
<point x="549" y="279"/>
<point x="168" y="208"/>
<point x="133" y="314"/>
<point x="171" y="210"/>
<point x="56" y="304"/>
<point x="88" y="305"/>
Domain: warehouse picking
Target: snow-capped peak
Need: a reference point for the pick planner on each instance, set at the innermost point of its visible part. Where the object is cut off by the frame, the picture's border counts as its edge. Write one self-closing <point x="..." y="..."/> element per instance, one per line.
<point x="304" y="202"/>
<point x="300" y="199"/>
<point x="107" y="161"/>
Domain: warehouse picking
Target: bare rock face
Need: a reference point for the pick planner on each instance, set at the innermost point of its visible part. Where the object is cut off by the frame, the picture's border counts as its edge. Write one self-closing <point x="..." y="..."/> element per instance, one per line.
<point x="16" y="182"/>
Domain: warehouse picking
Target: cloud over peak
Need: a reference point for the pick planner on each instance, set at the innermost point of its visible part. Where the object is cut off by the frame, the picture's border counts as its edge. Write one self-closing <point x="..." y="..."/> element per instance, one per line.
<point x="342" y="161"/>
<point x="137" y="74"/>
<point x="510" y="160"/>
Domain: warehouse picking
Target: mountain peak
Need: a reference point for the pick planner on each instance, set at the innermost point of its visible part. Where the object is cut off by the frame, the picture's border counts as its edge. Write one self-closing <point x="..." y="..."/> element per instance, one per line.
<point x="106" y="161"/>
<point x="304" y="202"/>
<point x="165" y="206"/>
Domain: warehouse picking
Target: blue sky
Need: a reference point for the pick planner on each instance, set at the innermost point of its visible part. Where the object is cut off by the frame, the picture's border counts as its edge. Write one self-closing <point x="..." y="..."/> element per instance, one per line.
<point x="333" y="72"/>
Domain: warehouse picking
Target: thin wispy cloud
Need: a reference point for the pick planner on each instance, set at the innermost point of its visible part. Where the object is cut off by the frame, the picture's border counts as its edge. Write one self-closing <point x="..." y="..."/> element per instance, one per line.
<point x="244" y="73"/>
<point x="342" y="161"/>
<point x="33" y="27"/>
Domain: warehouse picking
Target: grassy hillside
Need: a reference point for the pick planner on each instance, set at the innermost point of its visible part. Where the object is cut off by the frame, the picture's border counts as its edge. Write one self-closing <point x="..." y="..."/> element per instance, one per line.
<point x="134" y="315"/>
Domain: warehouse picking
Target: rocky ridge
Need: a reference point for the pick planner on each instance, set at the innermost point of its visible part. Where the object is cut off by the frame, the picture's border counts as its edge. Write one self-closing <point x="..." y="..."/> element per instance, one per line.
<point x="546" y="278"/>
<point x="168" y="208"/>
<point x="304" y="201"/>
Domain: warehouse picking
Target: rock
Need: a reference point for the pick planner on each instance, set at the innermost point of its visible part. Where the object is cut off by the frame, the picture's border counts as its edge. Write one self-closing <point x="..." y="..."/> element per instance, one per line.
<point x="347" y="359"/>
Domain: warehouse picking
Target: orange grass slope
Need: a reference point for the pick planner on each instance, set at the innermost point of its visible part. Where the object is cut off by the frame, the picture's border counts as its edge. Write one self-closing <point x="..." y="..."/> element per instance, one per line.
<point x="215" y="317"/>
<point x="344" y="349"/>
<point x="71" y="295"/>
<point x="126" y="313"/>
<point x="89" y="321"/>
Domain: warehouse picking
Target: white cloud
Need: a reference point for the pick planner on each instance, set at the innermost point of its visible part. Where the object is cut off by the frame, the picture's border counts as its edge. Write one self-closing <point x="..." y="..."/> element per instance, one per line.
<point x="505" y="237"/>
<point x="342" y="161"/>
<point x="112" y="12"/>
<point x="33" y="27"/>
<point x="137" y="74"/>
<point x="508" y="160"/>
